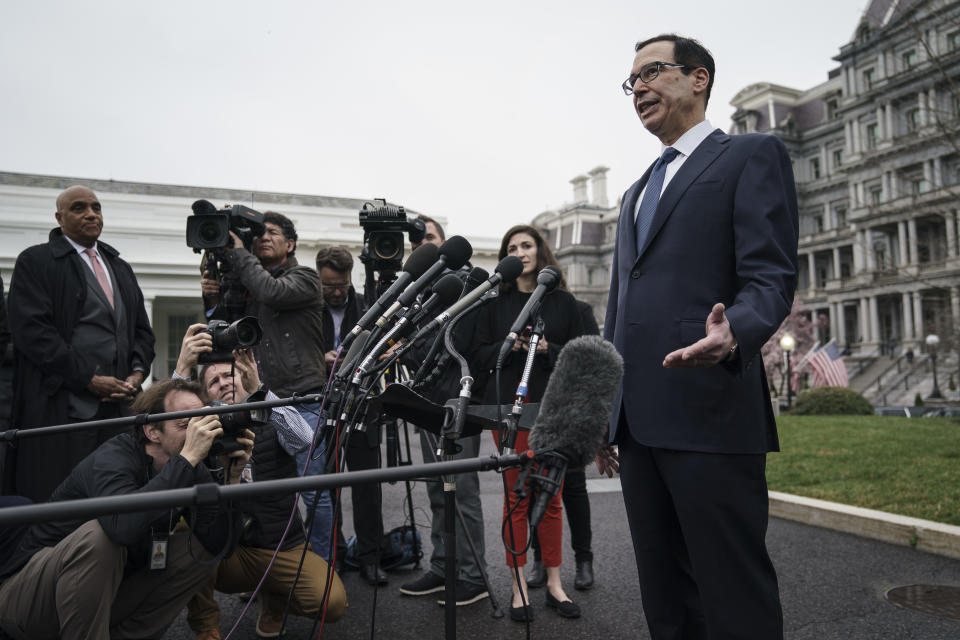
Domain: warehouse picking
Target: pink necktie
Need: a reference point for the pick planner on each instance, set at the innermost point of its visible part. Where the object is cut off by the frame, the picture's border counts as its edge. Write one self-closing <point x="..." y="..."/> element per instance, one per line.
<point x="101" y="274"/>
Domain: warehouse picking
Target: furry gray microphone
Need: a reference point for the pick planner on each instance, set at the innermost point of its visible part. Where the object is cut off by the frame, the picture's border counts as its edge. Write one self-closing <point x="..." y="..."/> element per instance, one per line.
<point x="578" y="400"/>
<point x="574" y="413"/>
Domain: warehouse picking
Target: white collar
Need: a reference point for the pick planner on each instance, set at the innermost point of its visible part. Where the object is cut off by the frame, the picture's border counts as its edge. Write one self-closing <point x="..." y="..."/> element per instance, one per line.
<point x="689" y="141"/>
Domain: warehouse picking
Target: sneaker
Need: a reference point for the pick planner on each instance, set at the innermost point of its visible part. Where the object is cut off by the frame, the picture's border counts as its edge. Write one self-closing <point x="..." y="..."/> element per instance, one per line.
<point x="271" y="617"/>
<point x="466" y="593"/>
<point x="427" y="583"/>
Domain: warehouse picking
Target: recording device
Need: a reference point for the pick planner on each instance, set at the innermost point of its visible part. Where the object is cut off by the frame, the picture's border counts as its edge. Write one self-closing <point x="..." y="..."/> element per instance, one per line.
<point x="574" y="414"/>
<point x="233" y="423"/>
<point x="209" y="227"/>
<point x="208" y="230"/>
<point x="383" y="228"/>
<point x="227" y="336"/>
<point x="418" y="262"/>
<point x="547" y="281"/>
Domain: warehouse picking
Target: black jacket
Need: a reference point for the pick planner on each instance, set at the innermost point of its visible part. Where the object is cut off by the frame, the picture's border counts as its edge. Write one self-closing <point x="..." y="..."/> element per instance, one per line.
<point x="355" y="309"/>
<point x="120" y="467"/>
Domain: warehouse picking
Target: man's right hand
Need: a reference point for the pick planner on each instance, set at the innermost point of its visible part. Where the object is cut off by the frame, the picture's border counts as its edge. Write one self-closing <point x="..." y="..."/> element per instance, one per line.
<point x="111" y="389"/>
<point x="330" y="357"/>
<point x="195" y="342"/>
<point x="201" y="432"/>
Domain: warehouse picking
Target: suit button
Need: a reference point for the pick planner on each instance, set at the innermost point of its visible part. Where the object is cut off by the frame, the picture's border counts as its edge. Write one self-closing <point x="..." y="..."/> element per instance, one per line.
<point x="635" y="274"/>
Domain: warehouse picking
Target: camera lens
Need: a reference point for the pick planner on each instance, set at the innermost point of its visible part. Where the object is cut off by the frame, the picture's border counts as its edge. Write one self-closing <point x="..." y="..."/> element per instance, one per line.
<point x="388" y="245"/>
<point x="209" y="231"/>
<point x="247" y="332"/>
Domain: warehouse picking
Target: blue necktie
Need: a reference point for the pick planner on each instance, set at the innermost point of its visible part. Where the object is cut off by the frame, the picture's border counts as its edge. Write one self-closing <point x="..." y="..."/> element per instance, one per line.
<point x="651" y="196"/>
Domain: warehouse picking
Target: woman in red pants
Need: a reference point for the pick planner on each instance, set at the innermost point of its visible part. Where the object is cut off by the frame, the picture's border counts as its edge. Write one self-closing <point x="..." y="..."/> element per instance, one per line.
<point x="561" y="324"/>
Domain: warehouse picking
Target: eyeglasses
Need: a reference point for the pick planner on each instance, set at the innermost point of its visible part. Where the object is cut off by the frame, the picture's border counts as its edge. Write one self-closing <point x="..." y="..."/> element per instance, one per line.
<point x="648" y="73"/>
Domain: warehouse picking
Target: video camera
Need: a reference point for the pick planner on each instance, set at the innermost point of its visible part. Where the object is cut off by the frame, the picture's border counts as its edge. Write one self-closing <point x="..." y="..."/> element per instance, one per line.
<point x="209" y="228"/>
<point x="227" y="336"/>
<point x="383" y="228"/>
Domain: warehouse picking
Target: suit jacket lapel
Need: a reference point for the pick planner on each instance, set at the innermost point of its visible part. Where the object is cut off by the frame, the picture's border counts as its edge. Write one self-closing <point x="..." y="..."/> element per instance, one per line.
<point x="701" y="158"/>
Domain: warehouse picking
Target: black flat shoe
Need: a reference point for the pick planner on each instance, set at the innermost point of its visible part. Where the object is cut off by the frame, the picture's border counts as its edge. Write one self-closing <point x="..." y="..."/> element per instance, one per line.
<point x="584" y="579"/>
<point x="522" y="614"/>
<point x="566" y="609"/>
<point x="538" y="575"/>
<point x="373" y="575"/>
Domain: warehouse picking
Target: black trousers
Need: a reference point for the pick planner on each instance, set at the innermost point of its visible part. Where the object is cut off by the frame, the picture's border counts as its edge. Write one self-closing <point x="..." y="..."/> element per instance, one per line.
<point x="367" y="502"/>
<point x="576" y="504"/>
<point x="698" y="523"/>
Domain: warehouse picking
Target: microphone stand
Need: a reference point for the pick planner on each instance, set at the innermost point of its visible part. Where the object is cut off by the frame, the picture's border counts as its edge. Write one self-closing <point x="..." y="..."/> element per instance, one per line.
<point x="513" y="420"/>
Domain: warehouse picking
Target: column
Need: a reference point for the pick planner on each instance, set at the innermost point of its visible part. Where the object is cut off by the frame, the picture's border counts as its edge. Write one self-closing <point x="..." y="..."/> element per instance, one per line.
<point x="922" y="108"/>
<point x="864" y="321"/>
<point x="868" y="249"/>
<point x="888" y="110"/>
<point x="861" y="198"/>
<point x="811" y="271"/>
<point x="858" y="252"/>
<point x="955" y="305"/>
<point x="932" y="105"/>
<point x="848" y="137"/>
<point x="852" y="191"/>
<point x="951" y="228"/>
<point x="874" y="320"/>
<point x="885" y="186"/>
<point x="928" y="172"/>
<point x="846" y="82"/>
<point x="772" y="114"/>
<point x="881" y="65"/>
<point x="908" y="330"/>
<point x="918" y="316"/>
<point x="912" y="229"/>
<point x="841" y="333"/>
<point x="937" y="172"/>
<point x="902" y="241"/>
<point x="894" y="185"/>
<point x="836" y="265"/>
<point x="856" y="136"/>
<point x="881" y="124"/>
<point x="148" y="305"/>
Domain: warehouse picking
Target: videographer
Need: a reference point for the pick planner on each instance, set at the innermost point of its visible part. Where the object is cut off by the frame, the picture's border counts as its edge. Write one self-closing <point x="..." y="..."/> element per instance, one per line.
<point x="285" y="297"/>
<point x="277" y="442"/>
<point x="125" y="575"/>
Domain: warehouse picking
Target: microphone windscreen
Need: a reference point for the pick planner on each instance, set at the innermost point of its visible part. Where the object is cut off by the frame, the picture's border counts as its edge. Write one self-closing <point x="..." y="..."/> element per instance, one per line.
<point x="577" y="403"/>
<point x="510" y="268"/>
<point x="203" y="207"/>
<point x="476" y="277"/>
<point x="349" y="362"/>
<point x="421" y="259"/>
<point x="448" y="289"/>
<point x="457" y="250"/>
<point x="549" y="276"/>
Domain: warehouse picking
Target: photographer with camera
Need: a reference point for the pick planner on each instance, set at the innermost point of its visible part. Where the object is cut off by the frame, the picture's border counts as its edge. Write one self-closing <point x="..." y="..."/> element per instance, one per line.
<point x="281" y="433"/>
<point x="125" y="575"/>
<point x="285" y="297"/>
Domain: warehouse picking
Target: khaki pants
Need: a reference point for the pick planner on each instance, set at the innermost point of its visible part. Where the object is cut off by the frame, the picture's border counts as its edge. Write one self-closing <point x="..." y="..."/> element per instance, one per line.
<point x="77" y="590"/>
<point x="243" y="570"/>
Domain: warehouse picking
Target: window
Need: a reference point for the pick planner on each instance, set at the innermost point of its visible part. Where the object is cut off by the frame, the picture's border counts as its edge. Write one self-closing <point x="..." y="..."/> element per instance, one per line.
<point x="909" y="59"/>
<point x="818" y="224"/>
<point x="876" y="196"/>
<point x="919" y="186"/>
<point x="837" y="158"/>
<point x="814" y="168"/>
<point x="832" y="109"/>
<point x="953" y="41"/>
<point x="872" y="136"/>
<point x="912" y="118"/>
<point x="841" y="215"/>
<point x="868" y="79"/>
<point x="176" y="329"/>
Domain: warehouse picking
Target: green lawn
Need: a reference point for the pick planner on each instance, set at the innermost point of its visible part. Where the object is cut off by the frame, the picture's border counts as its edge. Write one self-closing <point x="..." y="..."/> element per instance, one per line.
<point x="900" y="465"/>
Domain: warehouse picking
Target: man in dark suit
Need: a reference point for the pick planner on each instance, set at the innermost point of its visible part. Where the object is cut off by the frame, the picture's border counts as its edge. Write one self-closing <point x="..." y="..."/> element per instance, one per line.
<point x="704" y="272"/>
<point x="82" y="338"/>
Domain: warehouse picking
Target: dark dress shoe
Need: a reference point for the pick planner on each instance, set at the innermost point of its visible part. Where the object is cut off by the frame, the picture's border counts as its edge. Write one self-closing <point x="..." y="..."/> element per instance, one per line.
<point x="566" y="609"/>
<point x="522" y="614"/>
<point x="538" y="575"/>
<point x="373" y="574"/>
<point x="584" y="579"/>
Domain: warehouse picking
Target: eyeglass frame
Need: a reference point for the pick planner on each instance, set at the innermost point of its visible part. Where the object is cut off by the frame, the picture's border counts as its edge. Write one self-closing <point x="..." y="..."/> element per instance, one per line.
<point x="631" y="80"/>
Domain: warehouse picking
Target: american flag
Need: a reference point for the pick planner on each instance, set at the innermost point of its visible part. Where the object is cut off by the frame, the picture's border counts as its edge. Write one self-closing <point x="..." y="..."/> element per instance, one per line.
<point x="828" y="367"/>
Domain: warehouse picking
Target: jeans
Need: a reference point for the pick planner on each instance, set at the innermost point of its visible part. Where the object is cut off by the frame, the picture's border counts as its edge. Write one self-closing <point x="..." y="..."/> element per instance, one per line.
<point x="323" y="517"/>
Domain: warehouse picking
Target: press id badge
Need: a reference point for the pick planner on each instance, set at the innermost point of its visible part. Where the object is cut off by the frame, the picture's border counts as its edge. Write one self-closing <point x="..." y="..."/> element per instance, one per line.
<point x="158" y="554"/>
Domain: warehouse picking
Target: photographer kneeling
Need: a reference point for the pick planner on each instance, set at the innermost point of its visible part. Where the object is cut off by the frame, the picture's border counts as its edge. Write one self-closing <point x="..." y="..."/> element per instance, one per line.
<point x="125" y="575"/>
<point x="278" y="441"/>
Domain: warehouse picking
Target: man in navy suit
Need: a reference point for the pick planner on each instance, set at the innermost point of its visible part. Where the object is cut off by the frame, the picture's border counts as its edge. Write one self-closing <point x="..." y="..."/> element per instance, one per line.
<point x="703" y="273"/>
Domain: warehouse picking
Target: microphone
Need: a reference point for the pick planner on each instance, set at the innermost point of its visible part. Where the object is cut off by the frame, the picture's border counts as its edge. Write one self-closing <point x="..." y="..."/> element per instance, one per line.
<point x="571" y="426"/>
<point x="474" y="279"/>
<point x="453" y="254"/>
<point x="203" y="207"/>
<point x="349" y="362"/>
<point x="418" y="262"/>
<point x="444" y="292"/>
<point x="547" y="281"/>
<point x="507" y="271"/>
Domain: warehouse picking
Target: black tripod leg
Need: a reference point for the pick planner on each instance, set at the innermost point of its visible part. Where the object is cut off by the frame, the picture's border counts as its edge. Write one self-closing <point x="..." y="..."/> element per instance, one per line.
<point x="450" y="564"/>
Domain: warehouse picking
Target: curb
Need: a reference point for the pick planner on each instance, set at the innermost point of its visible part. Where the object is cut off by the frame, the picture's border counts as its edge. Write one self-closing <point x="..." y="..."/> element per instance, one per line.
<point x="923" y="535"/>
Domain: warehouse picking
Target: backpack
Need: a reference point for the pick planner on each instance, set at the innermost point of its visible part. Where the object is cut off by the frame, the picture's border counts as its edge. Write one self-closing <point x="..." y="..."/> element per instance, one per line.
<point x="397" y="549"/>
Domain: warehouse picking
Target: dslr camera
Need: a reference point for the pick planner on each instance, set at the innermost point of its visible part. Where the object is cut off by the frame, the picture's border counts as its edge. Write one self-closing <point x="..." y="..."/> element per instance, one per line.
<point x="233" y="423"/>
<point x="227" y="336"/>
<point x="383" y="228"/>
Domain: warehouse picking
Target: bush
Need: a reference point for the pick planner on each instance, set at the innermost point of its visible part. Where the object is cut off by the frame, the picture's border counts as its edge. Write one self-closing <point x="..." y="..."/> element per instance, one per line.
<point x="831" y="401"/>
<point x="918" y="400"/>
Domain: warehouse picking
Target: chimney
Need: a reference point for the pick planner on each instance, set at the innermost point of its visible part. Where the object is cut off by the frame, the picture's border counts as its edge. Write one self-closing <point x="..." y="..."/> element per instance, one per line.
<point x="598" y="186"/>
<point x="579" y="189"/>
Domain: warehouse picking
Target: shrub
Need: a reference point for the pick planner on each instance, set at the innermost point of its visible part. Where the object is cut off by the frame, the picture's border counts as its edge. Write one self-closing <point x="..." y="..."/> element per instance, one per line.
<point x="831" y="401"/>
<point x="918" y="400"/>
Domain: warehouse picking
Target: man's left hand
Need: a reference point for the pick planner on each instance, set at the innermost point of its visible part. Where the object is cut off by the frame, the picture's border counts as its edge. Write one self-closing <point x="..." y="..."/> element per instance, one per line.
<point x="240" y="458"/>
<point x="237" y="242"/>
<point x="708" y="351"/>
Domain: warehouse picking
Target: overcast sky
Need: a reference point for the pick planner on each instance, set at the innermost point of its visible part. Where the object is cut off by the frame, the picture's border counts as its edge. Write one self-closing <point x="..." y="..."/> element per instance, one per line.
<point x="481" y="112"/>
